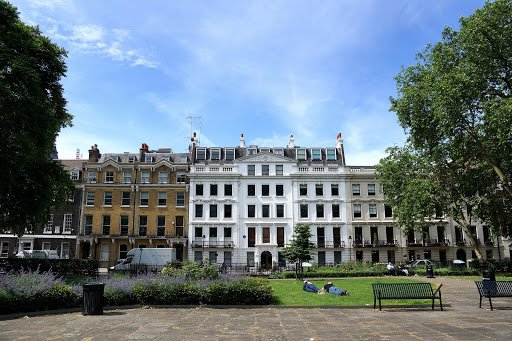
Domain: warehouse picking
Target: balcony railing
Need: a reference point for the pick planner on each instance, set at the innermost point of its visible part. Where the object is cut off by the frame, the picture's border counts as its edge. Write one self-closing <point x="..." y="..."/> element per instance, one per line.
<point x="212" y="244"/>
<point x="330" y="244"/>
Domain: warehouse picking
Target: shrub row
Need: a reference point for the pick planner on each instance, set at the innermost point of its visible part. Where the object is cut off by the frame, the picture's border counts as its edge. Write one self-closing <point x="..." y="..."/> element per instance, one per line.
<point x="61" y="267"/>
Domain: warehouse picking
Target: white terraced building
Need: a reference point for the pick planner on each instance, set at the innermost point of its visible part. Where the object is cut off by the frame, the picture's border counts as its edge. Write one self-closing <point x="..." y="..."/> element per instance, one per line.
<point x="246" y="200"/>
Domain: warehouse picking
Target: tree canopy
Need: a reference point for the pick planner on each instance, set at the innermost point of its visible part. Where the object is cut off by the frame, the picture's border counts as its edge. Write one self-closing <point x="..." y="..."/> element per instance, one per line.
<point x="33" y="110"/>
<point x="456" y="108"/>
<point x="300" y="247"/>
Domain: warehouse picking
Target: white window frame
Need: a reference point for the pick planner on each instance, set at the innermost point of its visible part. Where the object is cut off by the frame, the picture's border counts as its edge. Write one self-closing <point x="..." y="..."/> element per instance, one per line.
<point x="359" y="210"/>
<point x="252" y="151"/>
<point x="46" y="246"/>
<point x="67" y="224"/>
<point x="74" y="174"/>
<point x="265" y="150"/>
<point x="89" y="201"/>
<point x="181" y="177"/>
<point x="127" y="177"/>
<point x="372" y="208"/>
<point x="109" y="177"/>
<point x="178" y="199"/>
<point x="162" y="199"/>
<point x="358" y="187"/>
<point x="123" y="199"/>
<point x="278" y="151"/>
<point x="316" y="154"/>
<point x="163" y="177"/>
<point x="330" y="154"/>
<point x="201" y="154"/>
<point x="374" y="189"/>
<point x="131" y="159"/>
<point x="146" y="198"/>
<point x="105" y="197"/>
<point x="92" y="177"/>
<point x="300" y="154"/>
<point x="48" y="227"/>
<point x="279" y="169"/>
<point x="214" y="153"/>
<point x="249" y="168"/>
<point x="65" y="250"/>
<point x="284" y="210"/>
<point x="229" y="151"/>
<point x="149" y="158"/>
<point x="145" y="177"/>
<point x="4" y="249"/>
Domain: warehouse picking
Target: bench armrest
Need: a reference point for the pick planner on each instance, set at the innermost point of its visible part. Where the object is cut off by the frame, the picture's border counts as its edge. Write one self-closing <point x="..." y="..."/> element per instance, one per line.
<point x="439" y="288"/>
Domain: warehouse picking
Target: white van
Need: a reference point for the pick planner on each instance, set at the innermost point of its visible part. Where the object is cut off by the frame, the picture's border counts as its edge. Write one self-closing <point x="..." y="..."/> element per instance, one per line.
<point x="145" y="259"/>
<point x="38" y="254"/>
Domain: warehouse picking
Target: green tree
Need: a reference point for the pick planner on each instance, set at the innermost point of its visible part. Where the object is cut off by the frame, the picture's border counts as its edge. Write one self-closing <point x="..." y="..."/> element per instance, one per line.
<point x="455" y="105"/>
<point x="300" y="247"/>
<point x="33" y="110"/>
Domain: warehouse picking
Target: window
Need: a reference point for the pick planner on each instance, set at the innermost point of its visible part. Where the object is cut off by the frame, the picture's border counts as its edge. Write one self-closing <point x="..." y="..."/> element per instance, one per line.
<point x="264" y="150"/>
<point x="109" y="177"/>
<point x="265" y="211"/>
<point x="88" y="225"/>
<point x="213" y="211"/>
<point x="68" y="221"/>
<point x="252" y="151"/>
<point x="265" y="190"/>
<point x="330" y="154"/>
<point x="145" y="177"/>
<point x="199" y="210"/>
<point x="356" y="189"/>
<point x="280" y="211"/>
<point x="75" y="175"/>
<point x="388" y="211"/>
<point x="125" y="199"/>
<point x="163" y="177"/>
<point x="319" y="210"/>
<point x="372" y="209"/>
<point x="106" y="225"/>
<point x="64" y="250"/>
<point x="335" y="210"/>
<point x="107" y="199"/>
<point x="251" y="170"/>
<point x="213" y="232"/>
<point x="266" y="234"/>
<point x="371" y="189"/>
<point x="228" y="190"/>
<point x="213" y="189"/>
<point x="91" y="177"/>
<point x="201" y="154"/>
<point x="279" y="190"/>
<point x="316" y="154"/>
<point x="198" y="232"/>
<point x="227" y="211"/>
<point x="144" y="198"/>
<point x="303" y="189"/>
<point x="303" y="210"/>
<point x="251" y="190"/>
<point x="160" y="225"/>
<point x="250" y="259"/>
<point x="143" y="225"/>
<point x="319" y="190"/>
<point x="227" y="232"/>
<point x="179" y="223"/>
<point x="131" y="159"/>
<point x="214" y="153"/>
<point x="127" y="177"/>
<point x="301" y="153"/>
<point x="265" y="169"/>
<point x="48" y="228"/>
<point x="279" y="151"/>
<point x="280" y="236"/>
<point x="124" y="225"/>
<point x="180" y="199"/>
<point x="123" y="251"/>
<point x="181" y="178"/>
<point x="251" y="211"/>
<point x="279" y="169"/>
<point x="335" y="190"/>
<point x="149" y="158"/>
<point x="162" y="198"/>
<point x="46" y="246"/>
<point x="199" y="189"/>
<point x="229" y="153"/>
<point x="357" y="210"/>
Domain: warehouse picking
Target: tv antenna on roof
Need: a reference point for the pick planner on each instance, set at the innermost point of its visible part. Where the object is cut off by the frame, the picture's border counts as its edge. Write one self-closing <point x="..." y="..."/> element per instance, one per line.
<point x="191" y="118"/>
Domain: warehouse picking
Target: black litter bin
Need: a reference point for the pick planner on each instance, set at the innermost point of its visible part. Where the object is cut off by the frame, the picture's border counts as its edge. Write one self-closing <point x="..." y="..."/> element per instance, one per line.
<point x="429" y="272"/>
<point x="93" y="298"/>
<point x="488" y="275"/>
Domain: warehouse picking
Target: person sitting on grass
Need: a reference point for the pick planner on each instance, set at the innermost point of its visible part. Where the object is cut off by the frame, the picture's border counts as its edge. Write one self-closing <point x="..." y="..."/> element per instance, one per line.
<point x="331" y="289"/>
<point x="310" y="287"/>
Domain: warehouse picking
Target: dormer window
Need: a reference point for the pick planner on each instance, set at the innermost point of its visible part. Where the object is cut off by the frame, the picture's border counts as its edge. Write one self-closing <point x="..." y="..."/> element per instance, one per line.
<point x="252" y="151"/>
<point x="150" y="158"/>
<point x="74" y="174"/>
<point x="265" y="150"/>
<point x="316" y="154"/>
<point x="201" y="154"/>
<point x="131" y="159"/>
<point x="214" y="153"/>
<point x="229" y="153"/>
<point x="279" y="151"/>
<point x="301" y="153"/>
<point x="109" y="177"/>
<point x="330" y="154"/>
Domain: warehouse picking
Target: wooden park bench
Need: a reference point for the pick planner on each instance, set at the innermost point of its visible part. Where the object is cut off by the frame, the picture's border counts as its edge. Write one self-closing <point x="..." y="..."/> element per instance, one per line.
<point x="398" y="291"/>
<point x="491" y="289"/>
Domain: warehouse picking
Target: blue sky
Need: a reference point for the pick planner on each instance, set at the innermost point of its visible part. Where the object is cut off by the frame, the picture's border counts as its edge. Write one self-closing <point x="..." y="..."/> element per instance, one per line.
<point x="267" y="69"/>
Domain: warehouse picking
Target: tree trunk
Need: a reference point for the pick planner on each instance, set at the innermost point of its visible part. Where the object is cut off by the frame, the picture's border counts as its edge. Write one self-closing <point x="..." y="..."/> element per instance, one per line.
<point x="474" y="243"/>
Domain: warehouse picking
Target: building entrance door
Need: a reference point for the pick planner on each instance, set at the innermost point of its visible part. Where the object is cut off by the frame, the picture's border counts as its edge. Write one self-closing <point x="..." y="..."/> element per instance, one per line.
<point x="266" y="260"/>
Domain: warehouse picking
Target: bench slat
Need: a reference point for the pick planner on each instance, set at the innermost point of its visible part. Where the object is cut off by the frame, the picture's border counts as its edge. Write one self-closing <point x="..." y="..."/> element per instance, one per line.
<point x="404" y="291"/>
<point x="491" y="289"/>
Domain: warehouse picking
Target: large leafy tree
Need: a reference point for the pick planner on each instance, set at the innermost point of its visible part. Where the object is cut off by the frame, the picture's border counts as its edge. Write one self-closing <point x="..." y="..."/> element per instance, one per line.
<point x="32" y="112"/>
<point x="300" y="247"/>
<point x="455" y="105"/>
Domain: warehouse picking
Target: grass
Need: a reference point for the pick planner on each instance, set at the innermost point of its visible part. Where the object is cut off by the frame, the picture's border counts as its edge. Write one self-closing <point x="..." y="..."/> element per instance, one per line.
<point x="288" y="292"/>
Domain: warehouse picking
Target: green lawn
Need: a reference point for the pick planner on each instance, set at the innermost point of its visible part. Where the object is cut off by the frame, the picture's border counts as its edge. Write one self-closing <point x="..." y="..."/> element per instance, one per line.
<point x="288" y="292"/>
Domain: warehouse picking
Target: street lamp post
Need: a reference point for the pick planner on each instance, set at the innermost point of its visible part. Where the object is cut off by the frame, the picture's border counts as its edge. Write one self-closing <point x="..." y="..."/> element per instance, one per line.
<point x="203" y="246"/>
<point x="350" y="247"/>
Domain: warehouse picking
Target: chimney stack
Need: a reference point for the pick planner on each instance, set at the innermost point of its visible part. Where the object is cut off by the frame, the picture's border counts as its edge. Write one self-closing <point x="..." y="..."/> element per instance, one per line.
<point x="94" y="154"/>
<point x="339" y="141"/>
<point x="242" y="141"/>
<point x="291" y="144"/>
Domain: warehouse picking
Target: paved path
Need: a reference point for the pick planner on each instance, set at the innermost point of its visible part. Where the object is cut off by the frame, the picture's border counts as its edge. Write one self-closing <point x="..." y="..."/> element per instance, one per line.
<point x="462" y="320"/>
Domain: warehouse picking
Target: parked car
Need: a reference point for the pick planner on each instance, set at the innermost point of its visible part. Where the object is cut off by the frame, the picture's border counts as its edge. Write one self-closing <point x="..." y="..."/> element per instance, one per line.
<point x="419" y="262"/>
